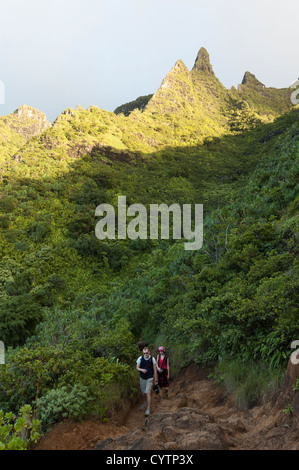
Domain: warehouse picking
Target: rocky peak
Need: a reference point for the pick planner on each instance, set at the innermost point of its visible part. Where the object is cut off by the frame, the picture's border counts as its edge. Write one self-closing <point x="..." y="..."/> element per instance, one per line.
<point x="26" y="111"/>
<point x="202" y="62"/>
<point x="179" y="65"/>
<point x="28" y="121"/>
<point x="173" y="80"/>
<point x="250" y="80"/>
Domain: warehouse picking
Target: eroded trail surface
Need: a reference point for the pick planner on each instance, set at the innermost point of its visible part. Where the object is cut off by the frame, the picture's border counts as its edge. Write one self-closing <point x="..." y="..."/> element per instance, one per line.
<point x="197" y="415"/>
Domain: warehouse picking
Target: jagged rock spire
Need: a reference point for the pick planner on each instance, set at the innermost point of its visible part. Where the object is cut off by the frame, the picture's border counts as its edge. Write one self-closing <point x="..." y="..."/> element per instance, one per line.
<point x="250" y="80"/>
<point x="202" y="62"/>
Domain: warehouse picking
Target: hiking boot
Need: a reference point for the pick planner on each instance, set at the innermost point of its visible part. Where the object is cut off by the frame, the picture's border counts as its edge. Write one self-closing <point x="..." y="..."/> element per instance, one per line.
<point x="147" y="413"/>
<point x="142" y="406"/>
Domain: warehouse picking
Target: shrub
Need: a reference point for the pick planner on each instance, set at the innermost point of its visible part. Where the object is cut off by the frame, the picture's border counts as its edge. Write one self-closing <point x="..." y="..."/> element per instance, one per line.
<point x="18" y="432"/>
<point x="64" y="402"/>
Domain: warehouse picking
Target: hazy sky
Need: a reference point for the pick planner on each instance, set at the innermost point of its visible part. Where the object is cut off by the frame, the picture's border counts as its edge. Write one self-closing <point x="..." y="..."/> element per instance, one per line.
<point x="55" y="54"/>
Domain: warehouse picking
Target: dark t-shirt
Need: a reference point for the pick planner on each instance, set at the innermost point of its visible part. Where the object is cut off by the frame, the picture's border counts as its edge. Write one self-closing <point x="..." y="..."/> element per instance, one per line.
<point x="147" y="364"/>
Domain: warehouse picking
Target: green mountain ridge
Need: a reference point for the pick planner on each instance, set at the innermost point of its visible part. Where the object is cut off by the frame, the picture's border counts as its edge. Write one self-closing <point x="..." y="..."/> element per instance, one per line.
<point x="267" y="102"/>
<point x="188" y="108"/>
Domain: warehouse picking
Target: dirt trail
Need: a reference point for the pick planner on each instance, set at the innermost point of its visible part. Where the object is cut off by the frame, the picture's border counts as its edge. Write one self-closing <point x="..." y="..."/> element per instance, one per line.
<point x="197" y="415"/>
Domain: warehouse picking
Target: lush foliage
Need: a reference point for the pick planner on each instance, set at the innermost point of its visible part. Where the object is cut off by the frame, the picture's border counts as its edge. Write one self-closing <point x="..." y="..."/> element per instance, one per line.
<point x="72" y="308"/>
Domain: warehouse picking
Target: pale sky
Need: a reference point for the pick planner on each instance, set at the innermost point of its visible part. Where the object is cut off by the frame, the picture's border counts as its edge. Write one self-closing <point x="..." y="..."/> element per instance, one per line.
<point x="55" y="54"/>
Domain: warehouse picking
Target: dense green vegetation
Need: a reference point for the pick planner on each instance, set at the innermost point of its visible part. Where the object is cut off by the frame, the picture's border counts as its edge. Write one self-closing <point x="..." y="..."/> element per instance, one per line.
<point x="140" y="103"/>
<point x="72" y="308"/>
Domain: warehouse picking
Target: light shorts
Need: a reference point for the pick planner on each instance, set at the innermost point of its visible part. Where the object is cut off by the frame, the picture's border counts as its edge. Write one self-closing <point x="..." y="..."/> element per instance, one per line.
<point x="146" y="385"/>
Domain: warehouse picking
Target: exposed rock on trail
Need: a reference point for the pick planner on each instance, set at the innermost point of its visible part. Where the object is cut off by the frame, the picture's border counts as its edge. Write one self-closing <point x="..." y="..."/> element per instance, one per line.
<point x="197" y="416"/>
<point x="201" y="416"/>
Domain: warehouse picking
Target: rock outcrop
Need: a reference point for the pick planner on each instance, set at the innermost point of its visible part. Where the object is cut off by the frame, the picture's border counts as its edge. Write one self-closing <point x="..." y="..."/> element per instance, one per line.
<point x="17" y="129"/>
<point x="28" y="121"/>
<point x="250" y="80"/>
<point x="202" y="62"/>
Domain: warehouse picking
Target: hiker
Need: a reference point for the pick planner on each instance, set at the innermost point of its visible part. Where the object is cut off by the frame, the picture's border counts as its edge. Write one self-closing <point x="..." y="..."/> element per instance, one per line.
<point x="147" y="367"/>
<point x="163" y="371"/>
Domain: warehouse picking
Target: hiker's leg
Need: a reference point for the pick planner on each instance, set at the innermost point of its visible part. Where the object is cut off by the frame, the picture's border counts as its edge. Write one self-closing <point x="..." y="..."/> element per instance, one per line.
<point x="142" y="389"/>
<point x="161" y="390"/>
<point x="148" y="401"/>
<point x="143" y="404"/>
<point x="149" y="386"/>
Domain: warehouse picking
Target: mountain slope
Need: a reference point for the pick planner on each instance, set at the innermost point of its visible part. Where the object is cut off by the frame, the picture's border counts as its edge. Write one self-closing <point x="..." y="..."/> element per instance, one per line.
<point x="270" y="102"/>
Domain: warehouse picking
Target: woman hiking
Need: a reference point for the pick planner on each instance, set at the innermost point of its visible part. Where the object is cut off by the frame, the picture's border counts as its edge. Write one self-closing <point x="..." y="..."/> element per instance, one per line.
<point x="163" y="371"/>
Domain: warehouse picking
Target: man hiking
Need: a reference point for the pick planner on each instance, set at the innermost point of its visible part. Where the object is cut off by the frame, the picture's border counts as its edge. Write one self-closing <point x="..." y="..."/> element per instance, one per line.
<point x="163" y="371"/>
<point x="146" y="366"/>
